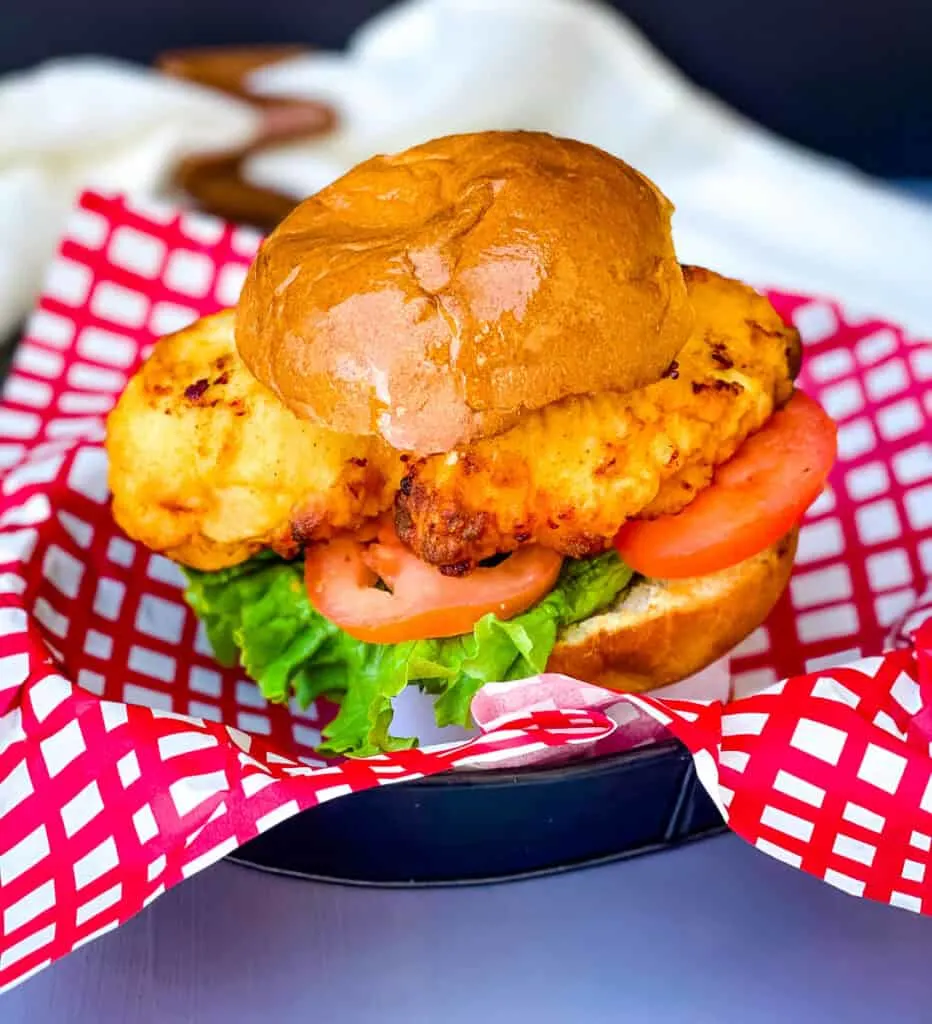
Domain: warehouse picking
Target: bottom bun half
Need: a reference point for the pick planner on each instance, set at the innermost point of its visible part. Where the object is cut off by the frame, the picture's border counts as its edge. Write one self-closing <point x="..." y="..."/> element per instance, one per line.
<point x="661" y="631"/>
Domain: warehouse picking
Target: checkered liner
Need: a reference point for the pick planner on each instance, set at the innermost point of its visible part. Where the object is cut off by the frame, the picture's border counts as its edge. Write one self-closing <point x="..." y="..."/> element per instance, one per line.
<point x="109" y="697"/>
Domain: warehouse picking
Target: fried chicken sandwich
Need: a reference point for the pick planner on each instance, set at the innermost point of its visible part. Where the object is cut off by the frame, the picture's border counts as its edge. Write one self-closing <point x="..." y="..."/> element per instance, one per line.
<point x="470" y="421"/>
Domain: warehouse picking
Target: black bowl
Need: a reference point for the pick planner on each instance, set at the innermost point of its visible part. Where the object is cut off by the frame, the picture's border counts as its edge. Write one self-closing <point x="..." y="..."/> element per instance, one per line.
<point x="477" y="827"/>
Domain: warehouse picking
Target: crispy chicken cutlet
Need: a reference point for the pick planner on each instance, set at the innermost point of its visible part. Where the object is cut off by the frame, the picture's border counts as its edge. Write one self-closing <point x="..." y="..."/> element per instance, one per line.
<point x="208" y="467"/>
<point x="190" y="480"/>
<point x="568" y="475"/>
<point x="471" y="421"/>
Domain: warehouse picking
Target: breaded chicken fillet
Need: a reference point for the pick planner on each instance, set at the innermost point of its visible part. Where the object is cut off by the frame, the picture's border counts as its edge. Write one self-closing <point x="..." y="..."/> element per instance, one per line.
<point x="568" y="475"/>
<point x="208" y="467"/>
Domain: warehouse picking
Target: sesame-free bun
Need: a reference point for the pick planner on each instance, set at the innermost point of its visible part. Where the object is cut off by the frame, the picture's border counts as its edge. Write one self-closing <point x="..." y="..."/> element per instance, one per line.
<point x="661" y="631"/>
<point x="433" y="296"/>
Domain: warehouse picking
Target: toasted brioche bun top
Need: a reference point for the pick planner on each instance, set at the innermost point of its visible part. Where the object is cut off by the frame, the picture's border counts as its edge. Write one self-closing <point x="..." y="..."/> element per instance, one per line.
<point x="432" y="296"/>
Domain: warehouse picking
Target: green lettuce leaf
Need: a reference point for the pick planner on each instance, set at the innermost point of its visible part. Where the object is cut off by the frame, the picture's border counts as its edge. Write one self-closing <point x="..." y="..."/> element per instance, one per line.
<point x="258" y="613"/>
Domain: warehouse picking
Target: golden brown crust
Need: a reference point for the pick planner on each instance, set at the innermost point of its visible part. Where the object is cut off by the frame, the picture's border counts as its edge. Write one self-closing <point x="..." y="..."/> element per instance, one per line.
<point x="569" y="475"/>
<point x="665" y="630"/>
<point x="208" y="467"/>
<point x="433" y="296"/>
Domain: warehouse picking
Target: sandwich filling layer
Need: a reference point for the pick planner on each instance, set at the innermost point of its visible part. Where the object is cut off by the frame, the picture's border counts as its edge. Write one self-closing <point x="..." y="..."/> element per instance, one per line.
<point x="209" y="468"/>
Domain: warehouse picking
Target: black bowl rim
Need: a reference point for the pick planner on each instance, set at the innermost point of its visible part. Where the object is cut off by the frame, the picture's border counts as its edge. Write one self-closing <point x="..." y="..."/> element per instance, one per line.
<point x="544" y="774"/>
<point x="468" y="883"/>
<point x="492" y="782"/>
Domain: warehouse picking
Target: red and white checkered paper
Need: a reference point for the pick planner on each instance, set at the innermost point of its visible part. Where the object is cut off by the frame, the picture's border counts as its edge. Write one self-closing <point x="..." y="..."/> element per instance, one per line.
<point x="129" y="760"/>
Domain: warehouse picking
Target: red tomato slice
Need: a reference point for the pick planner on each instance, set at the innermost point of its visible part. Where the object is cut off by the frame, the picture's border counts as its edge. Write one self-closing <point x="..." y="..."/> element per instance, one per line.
<point x="422" y="603"/>
<point x="754" y="499"/>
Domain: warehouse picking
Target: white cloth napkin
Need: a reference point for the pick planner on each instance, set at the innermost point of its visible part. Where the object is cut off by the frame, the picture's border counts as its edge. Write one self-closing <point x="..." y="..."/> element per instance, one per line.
<point x="748" y="203"/>
<point x="86" y="122"/>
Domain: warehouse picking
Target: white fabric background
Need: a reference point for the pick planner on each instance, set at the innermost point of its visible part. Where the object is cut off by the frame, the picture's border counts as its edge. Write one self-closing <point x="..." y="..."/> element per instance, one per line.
<point x="747" y="203"/>
<point x="90" y="122"/>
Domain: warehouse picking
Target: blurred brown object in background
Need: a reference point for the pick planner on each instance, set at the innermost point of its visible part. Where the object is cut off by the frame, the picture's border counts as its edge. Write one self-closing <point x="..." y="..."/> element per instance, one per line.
<point x="215" y="180"/>
<point x="224" y="67"/>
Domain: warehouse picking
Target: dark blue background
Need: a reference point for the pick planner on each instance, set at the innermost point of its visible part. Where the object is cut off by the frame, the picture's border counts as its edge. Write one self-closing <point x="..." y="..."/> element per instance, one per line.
<point x="850" y="77"/>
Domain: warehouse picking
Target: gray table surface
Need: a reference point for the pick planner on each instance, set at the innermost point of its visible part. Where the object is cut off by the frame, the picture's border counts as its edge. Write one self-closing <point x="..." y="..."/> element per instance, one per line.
<point x="710" y="932"/>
